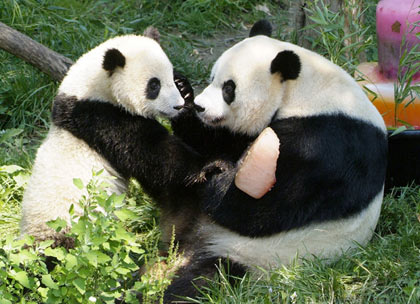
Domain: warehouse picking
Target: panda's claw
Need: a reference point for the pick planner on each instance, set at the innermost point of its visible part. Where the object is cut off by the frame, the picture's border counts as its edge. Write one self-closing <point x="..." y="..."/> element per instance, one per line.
<point x="195" y="179"/>
<point x="215" y="167"/>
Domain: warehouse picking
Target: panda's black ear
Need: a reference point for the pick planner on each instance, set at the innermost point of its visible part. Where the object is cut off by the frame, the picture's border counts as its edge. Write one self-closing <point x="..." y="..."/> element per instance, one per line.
<point x="287" y="63"/>
<point x="112" y="59"/>
<point x="261" y="27"/>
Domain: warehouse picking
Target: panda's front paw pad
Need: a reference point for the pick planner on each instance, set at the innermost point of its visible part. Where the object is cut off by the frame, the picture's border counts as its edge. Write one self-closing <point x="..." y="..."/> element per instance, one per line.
<point x="184" y="87"/>
<point x="215" y="167"/>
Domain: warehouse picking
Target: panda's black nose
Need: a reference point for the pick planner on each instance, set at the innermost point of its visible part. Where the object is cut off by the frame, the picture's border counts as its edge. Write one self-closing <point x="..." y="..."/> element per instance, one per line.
<point x="178" y="107"/>
<point x="198" y="108"/>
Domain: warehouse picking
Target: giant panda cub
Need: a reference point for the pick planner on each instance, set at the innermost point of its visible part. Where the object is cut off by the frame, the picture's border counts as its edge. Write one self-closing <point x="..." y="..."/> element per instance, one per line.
<point x="330" y="170"/>
<point x="124" y="74"/>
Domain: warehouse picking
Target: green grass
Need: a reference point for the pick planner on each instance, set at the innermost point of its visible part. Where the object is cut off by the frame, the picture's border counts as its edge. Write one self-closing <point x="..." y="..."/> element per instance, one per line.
<point x="73" y="27"/>
<point x="194" y="33"/>
<point x="385" y="271"/>
<point x="12" y="180"/>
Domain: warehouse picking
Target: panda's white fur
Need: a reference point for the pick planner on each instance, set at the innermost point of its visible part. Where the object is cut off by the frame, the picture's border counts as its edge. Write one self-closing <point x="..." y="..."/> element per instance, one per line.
<point x="63" y="157"/>
<point x="263" y="94"/>
<point x="50" y="190"/>
<point x="260" y="96"/>
<point x="326" y="241"/>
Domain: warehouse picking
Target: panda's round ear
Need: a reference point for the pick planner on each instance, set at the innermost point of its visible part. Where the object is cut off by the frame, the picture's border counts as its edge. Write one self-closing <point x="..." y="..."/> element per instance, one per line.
<point x="261" y="27"/>
<point x="113" y="58"/>
<point x="286" y="63"/>
<point x="153" y="33"/>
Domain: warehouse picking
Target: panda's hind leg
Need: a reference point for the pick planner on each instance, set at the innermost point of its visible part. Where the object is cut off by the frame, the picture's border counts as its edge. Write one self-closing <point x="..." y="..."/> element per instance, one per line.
<point x="194" y="275"/>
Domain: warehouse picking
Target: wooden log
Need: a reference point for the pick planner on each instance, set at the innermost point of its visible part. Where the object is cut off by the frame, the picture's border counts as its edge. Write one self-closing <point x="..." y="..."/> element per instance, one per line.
<point x="45" y="59"/>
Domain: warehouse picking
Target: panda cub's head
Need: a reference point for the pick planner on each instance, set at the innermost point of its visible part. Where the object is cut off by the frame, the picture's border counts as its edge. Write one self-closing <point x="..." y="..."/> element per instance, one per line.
<point x="131" y="71"/>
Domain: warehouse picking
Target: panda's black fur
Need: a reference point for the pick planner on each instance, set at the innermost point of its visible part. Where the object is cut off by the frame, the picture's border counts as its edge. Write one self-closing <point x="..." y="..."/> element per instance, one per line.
<point x="324" y="185"/>
<point x="315" y="184"/>
<point x="141" y="143"/>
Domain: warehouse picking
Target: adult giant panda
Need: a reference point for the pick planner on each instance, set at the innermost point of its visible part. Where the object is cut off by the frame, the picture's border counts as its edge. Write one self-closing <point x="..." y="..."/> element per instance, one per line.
<point x="124" y="74"/>
<point x="330" y="172"/>
<point x="331" y="168"/>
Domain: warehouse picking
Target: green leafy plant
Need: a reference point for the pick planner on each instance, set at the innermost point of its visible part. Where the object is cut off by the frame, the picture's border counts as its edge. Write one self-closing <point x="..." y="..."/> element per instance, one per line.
<point x="158" y="273"/>
<point x="338" y="36"/>
<point x="405" y="89"/>
<point x="95" y="270"/>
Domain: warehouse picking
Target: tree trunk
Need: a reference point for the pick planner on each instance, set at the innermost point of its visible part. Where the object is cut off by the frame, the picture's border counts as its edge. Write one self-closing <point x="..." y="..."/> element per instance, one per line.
<point x="299" y="19"/>
<point x="43" y="58"/>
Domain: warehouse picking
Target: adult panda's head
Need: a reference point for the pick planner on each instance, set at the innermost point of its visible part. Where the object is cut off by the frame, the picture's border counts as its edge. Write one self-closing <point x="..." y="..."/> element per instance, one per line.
<point x="247" y="83"/>
<point x="261" y="78"/>
<point x="131" y="71"/>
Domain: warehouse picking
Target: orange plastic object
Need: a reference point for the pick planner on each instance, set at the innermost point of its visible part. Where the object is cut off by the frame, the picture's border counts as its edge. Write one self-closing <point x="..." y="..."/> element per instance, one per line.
<point x="383" y="88"/>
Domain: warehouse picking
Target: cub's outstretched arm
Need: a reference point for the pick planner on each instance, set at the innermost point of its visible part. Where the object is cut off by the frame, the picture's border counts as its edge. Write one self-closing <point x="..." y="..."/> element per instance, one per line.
<point x="211" y="142"/>
<point x="135" y="146"/>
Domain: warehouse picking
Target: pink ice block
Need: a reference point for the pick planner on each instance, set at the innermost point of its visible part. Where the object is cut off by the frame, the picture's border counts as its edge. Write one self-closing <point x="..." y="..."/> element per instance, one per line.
<point x="394" y="19"/>
<point x="257" y="171"/>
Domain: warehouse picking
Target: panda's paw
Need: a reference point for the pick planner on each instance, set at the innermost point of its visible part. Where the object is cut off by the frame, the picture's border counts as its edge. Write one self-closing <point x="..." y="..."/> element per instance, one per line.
<point x="62" y="240"/>
<point x="213" y="168"/>
<point x="185" y="88"/>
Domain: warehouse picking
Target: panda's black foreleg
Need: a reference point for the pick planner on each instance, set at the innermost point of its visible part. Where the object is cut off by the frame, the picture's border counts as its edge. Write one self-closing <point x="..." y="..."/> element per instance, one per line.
<point x="134" y="146"/>
<point x="212" y="168"/>
<point x="211" y="142"/>
<point x="196" y="275"/>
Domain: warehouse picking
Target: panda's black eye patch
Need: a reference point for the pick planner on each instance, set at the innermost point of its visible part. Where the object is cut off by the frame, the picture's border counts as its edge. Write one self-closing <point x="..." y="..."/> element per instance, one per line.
<point x="228" y="91"/>
<point x="153" y="88"/>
